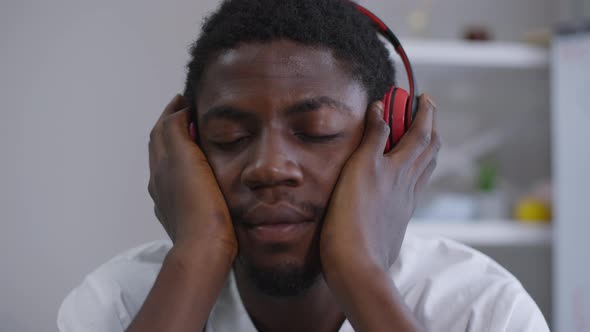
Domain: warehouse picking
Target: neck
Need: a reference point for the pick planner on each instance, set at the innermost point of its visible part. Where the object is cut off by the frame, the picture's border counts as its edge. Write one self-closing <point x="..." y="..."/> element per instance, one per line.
<point x="314" y="310"/>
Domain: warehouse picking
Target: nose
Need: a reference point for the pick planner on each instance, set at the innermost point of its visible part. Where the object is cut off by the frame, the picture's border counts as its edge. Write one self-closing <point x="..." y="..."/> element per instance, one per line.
<point x="271" y="165"/>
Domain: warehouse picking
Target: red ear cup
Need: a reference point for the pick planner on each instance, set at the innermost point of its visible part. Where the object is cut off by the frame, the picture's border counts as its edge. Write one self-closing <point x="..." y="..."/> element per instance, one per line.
<point x="395" y="103"/>
<point x="387" y="115"/>
<point x="398" y="124"/>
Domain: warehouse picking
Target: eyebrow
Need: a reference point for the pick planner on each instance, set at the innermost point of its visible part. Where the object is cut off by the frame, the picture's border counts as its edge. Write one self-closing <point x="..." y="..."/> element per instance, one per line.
<point x="314" y="104"/>
<point x="302" y="106"/>
<point x="227" y="112"/>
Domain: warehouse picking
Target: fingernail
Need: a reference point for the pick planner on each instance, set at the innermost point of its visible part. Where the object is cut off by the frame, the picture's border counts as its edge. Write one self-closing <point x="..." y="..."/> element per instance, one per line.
<point x="379" y="105"/>
<point x="431" y="102"/>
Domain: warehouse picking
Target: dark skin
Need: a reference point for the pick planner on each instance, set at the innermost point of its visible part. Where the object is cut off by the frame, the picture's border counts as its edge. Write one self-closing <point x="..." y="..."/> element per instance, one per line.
<point x="263" y="149"/>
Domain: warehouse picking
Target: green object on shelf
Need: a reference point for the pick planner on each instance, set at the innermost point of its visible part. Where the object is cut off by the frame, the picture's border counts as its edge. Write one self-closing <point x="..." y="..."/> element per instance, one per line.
<point x="487" y="177"/>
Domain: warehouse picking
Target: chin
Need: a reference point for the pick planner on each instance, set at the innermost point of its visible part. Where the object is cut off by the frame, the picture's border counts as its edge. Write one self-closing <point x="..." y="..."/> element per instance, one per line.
<point x="280" y="268"/>
<point x="285" y="278"/>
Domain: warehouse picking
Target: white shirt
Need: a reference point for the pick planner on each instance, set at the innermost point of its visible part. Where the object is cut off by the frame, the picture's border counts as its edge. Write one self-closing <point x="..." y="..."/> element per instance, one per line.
<point x="448" y="286"/>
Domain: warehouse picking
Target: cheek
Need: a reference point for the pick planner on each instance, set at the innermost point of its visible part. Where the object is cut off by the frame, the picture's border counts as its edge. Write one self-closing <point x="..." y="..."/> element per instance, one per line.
<point x="325" y="168"/>
<point x="324" y="177"/>
<point x="225" y="172"/>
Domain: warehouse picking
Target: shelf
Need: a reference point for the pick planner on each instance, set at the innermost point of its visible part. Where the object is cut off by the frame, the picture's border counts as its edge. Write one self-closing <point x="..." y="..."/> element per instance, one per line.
<point x="485" y="232"/>
<point x="476" y="54"/>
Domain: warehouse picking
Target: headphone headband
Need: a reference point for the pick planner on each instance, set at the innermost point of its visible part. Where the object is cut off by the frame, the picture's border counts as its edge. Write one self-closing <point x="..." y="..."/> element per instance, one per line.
<point x="390" y="36"/>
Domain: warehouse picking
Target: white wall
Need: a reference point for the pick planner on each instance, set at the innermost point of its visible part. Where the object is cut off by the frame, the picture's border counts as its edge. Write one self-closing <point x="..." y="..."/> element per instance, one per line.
<point x="81" y="84"/>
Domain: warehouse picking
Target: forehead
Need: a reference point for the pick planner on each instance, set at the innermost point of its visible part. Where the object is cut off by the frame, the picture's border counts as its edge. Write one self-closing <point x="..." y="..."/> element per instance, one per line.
<point x="277" y="71"/>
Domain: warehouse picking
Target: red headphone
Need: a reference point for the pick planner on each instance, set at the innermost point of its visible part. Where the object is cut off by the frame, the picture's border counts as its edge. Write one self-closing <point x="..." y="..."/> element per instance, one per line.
<point x="399" y="106"/>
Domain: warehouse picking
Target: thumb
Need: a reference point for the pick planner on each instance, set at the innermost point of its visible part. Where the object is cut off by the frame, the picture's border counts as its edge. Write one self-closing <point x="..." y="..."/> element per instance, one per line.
<point x="376" y="131"/>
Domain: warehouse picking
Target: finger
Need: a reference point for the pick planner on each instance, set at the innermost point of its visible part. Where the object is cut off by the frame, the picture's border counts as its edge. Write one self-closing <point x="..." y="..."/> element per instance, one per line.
<point x="431" y="152"/>
<point x="418" y="137"/>
<point x="376" y="131"/>
<point x="176" y="104"/>
<point x="424" y="178"/>
<point x="176" y="128"/>
<point x="156" y="145"/>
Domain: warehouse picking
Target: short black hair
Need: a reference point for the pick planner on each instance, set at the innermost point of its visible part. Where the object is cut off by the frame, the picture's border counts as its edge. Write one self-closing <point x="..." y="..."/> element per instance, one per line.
<point x="333" y="24"/>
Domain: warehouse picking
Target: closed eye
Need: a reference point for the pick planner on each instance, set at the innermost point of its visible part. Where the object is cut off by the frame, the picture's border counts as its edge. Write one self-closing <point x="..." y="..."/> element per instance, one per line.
<point x="229" y="145"/>
<point x="317" y="138"/>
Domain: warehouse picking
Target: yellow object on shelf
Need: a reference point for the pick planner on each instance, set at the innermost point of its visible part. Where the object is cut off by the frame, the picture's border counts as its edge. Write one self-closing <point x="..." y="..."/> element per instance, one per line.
<point x="530" y="210"/>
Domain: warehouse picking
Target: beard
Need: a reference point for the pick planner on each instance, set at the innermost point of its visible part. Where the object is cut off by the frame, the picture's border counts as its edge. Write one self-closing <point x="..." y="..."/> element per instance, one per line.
<point x="289" y="277"/>
<point x="286" y="279"/>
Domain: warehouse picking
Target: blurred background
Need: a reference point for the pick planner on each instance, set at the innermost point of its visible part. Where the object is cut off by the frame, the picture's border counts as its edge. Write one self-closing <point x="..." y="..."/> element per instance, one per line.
<point x="82" y="82"/>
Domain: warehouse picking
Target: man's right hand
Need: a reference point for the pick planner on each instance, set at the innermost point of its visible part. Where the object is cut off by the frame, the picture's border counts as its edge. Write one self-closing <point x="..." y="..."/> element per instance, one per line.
<point x="191" y="207"/>
<point x="187" y="198"/>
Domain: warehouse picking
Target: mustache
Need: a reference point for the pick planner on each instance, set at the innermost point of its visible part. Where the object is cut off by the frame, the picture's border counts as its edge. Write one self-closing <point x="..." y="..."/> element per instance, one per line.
<point x="316" y="211"/>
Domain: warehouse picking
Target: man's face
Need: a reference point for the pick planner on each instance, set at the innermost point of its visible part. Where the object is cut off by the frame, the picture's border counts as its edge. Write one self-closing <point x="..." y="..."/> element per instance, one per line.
<point x="277" y="121"/>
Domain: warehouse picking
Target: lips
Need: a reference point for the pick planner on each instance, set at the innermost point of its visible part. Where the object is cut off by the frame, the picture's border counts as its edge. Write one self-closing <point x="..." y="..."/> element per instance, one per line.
<point x="277" y="223"/>
<point x="264" y="214"/>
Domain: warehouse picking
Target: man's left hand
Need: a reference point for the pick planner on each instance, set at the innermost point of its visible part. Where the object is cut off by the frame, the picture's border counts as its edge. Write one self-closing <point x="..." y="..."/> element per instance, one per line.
<point x="376" y="193"/>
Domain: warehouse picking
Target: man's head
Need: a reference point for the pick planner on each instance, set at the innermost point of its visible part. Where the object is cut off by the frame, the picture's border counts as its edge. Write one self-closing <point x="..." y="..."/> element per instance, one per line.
<point x="279" y="90"/>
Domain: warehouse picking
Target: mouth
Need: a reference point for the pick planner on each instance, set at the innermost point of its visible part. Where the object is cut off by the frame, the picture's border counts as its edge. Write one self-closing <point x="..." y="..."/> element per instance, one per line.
<point x="277" y="223"/>
<point x="278" y="232"/>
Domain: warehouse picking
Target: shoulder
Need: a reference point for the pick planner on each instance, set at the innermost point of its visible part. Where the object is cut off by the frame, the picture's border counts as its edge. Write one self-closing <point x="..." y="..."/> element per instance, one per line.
<point x="452" y="287"/>
<point x="110" y="296"/>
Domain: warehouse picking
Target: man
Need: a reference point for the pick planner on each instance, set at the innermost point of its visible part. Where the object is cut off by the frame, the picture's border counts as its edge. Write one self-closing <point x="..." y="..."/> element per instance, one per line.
<point x="283" y="211"/>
